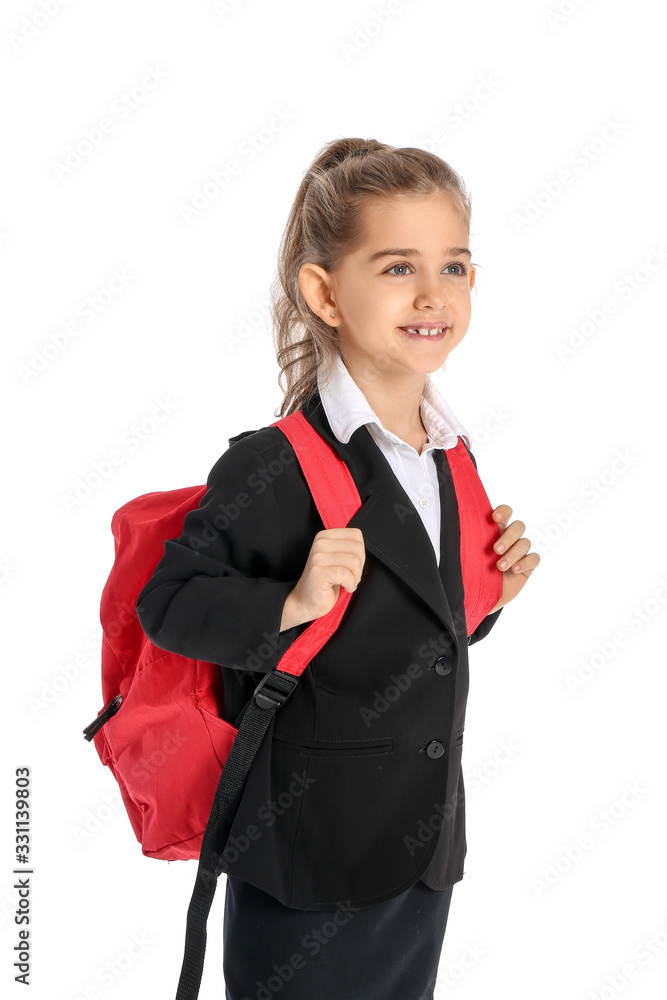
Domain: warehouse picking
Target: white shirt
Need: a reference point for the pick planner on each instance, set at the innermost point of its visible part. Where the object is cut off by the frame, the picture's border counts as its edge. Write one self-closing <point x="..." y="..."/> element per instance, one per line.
<point x="347" y="408"/>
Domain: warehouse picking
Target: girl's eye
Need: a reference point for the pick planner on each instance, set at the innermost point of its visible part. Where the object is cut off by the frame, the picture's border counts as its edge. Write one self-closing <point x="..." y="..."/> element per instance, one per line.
<point x="462" y="269"/>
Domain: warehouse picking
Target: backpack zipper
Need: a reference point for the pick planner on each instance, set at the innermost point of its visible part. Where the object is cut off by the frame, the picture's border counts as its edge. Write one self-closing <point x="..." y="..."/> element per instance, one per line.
<point x="103" y="717"/>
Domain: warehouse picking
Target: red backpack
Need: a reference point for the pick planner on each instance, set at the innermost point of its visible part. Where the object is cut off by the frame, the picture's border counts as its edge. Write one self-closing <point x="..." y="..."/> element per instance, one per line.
<point x="150" y="694"/>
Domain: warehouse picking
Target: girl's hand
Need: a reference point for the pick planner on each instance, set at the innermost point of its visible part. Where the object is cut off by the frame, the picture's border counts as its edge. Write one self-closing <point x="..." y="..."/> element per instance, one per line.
<point x="336" y="560"/>
<point x="520" y="563"/>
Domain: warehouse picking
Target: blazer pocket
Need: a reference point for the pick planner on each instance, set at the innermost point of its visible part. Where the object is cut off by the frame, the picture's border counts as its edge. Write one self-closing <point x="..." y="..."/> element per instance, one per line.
<point x="336" y="748"/>
<point x="348" y="840"/>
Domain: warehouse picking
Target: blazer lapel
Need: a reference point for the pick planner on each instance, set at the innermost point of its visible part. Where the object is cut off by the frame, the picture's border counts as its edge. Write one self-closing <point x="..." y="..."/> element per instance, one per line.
<point x="392" y="528"/>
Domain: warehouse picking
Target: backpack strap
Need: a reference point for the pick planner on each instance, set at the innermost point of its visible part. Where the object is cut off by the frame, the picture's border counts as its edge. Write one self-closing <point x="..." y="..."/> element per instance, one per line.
<point x="337" y="500"/>
<point x="482" y="581"/>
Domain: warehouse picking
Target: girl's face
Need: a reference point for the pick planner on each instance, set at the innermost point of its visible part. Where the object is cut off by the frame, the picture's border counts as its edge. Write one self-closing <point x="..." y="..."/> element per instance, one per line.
<point x="413" y="267"/>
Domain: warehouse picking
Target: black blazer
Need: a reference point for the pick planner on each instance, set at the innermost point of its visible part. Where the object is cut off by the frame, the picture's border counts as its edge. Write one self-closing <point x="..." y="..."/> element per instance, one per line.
<point x="356" y="792"/>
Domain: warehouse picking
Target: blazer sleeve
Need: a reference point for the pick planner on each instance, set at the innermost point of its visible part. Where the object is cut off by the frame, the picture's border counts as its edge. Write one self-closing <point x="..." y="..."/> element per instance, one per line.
<point x="215" y="594"/>
<point x="484" y="626"/>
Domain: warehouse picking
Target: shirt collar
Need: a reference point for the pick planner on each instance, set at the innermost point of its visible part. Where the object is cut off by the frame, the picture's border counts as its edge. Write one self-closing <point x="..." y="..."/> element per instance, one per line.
<point x="347" y="408"/>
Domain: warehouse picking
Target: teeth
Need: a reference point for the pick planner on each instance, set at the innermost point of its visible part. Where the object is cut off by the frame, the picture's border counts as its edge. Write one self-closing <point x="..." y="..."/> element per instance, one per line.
<point x="424" y="331"/>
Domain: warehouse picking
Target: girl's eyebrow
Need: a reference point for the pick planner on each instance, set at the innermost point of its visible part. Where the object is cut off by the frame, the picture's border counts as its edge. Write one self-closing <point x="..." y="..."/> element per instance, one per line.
<point x="412" y="252"/>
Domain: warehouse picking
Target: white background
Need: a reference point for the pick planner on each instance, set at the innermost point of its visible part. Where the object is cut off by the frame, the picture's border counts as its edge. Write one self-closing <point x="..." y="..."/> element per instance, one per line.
<point x="550" y="430"/>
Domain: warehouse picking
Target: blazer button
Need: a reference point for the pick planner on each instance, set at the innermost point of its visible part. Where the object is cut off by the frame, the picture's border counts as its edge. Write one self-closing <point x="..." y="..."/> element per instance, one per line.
<point x="435" y="749"/>
<point x="442" y="665"/>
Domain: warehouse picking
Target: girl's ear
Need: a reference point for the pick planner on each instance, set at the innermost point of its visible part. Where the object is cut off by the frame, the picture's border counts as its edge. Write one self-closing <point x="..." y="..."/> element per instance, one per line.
<point x="315" y="287"/>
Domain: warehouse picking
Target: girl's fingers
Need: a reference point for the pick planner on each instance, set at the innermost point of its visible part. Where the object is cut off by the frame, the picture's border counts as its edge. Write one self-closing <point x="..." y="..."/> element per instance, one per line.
<point x="502" y="513"/>
<point x="514" y="553"/>
<point x="527" y="563"/>
<point x="509" y="536"/>
<point x="501" y="516"/>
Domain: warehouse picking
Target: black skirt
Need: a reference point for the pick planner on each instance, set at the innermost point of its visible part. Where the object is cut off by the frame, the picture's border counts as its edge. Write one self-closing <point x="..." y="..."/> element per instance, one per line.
<point x="389" y="951"/>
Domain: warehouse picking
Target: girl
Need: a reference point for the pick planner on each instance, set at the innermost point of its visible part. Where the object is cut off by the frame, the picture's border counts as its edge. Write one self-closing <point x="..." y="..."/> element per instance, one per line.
<point x="350" y="834"/>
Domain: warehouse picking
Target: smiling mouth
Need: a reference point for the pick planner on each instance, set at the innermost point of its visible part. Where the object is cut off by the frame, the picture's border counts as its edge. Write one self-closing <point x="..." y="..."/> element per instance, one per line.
<point x="424" y="333"/>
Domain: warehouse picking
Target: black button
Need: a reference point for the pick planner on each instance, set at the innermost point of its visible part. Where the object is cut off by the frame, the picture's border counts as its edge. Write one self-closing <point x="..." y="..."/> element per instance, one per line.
<point x="442" y="665"/>
<point x="435" y="749"/>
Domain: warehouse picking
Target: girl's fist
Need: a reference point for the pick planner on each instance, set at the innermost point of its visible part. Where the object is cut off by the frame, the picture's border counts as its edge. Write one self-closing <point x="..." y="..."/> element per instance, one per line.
<point x="336" y="560"/>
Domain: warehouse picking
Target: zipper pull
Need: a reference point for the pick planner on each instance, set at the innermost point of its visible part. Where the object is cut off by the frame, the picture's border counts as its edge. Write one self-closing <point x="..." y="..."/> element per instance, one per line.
<point x="106" y="714"/>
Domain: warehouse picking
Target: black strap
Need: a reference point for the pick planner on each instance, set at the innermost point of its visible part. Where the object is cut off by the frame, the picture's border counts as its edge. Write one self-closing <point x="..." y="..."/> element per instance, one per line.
<point x="273" y="691"/>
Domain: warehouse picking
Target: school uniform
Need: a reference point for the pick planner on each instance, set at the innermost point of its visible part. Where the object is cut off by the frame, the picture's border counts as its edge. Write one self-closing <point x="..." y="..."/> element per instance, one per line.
<point x="354" y="804"/>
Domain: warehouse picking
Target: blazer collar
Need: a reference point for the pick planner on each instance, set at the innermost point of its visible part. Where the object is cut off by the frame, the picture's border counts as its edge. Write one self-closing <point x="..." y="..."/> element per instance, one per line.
<point x="392" y="528"/>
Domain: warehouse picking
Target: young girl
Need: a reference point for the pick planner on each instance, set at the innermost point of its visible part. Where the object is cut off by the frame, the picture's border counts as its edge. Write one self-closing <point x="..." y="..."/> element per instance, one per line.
<point x="350" y="834"/>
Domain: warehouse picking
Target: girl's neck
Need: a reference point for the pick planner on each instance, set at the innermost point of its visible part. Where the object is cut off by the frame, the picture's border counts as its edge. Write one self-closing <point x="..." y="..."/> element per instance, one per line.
<point x="397" y="404"/>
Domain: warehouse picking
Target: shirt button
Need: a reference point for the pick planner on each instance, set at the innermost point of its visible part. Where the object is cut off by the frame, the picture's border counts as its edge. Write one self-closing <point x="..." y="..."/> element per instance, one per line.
<point x="424" y="501"/>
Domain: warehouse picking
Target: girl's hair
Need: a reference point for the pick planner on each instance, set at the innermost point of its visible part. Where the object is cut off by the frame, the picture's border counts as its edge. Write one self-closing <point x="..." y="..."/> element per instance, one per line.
<point x="324" y="225"/>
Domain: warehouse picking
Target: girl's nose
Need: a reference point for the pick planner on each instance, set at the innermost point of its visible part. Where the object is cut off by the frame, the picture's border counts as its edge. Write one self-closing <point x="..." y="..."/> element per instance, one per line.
<point x="431" y="294"/>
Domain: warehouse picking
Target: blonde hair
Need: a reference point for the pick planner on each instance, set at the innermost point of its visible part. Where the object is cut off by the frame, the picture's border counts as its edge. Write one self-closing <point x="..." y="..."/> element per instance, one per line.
<point x="324" y="225"/>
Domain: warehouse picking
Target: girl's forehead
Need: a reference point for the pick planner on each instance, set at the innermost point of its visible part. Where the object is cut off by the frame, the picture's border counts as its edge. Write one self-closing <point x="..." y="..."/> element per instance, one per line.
<point x="415" y="218"/>
<point x="405" y="201"/>
<point x="403" y="206"/>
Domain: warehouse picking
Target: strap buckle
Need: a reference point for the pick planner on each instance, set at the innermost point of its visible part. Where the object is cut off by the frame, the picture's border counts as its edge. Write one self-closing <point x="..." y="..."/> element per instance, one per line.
<point x="276" y="695"/>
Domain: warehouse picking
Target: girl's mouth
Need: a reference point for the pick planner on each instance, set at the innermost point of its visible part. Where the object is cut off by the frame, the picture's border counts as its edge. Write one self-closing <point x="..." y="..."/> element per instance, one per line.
<point x="424" y="333"/>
